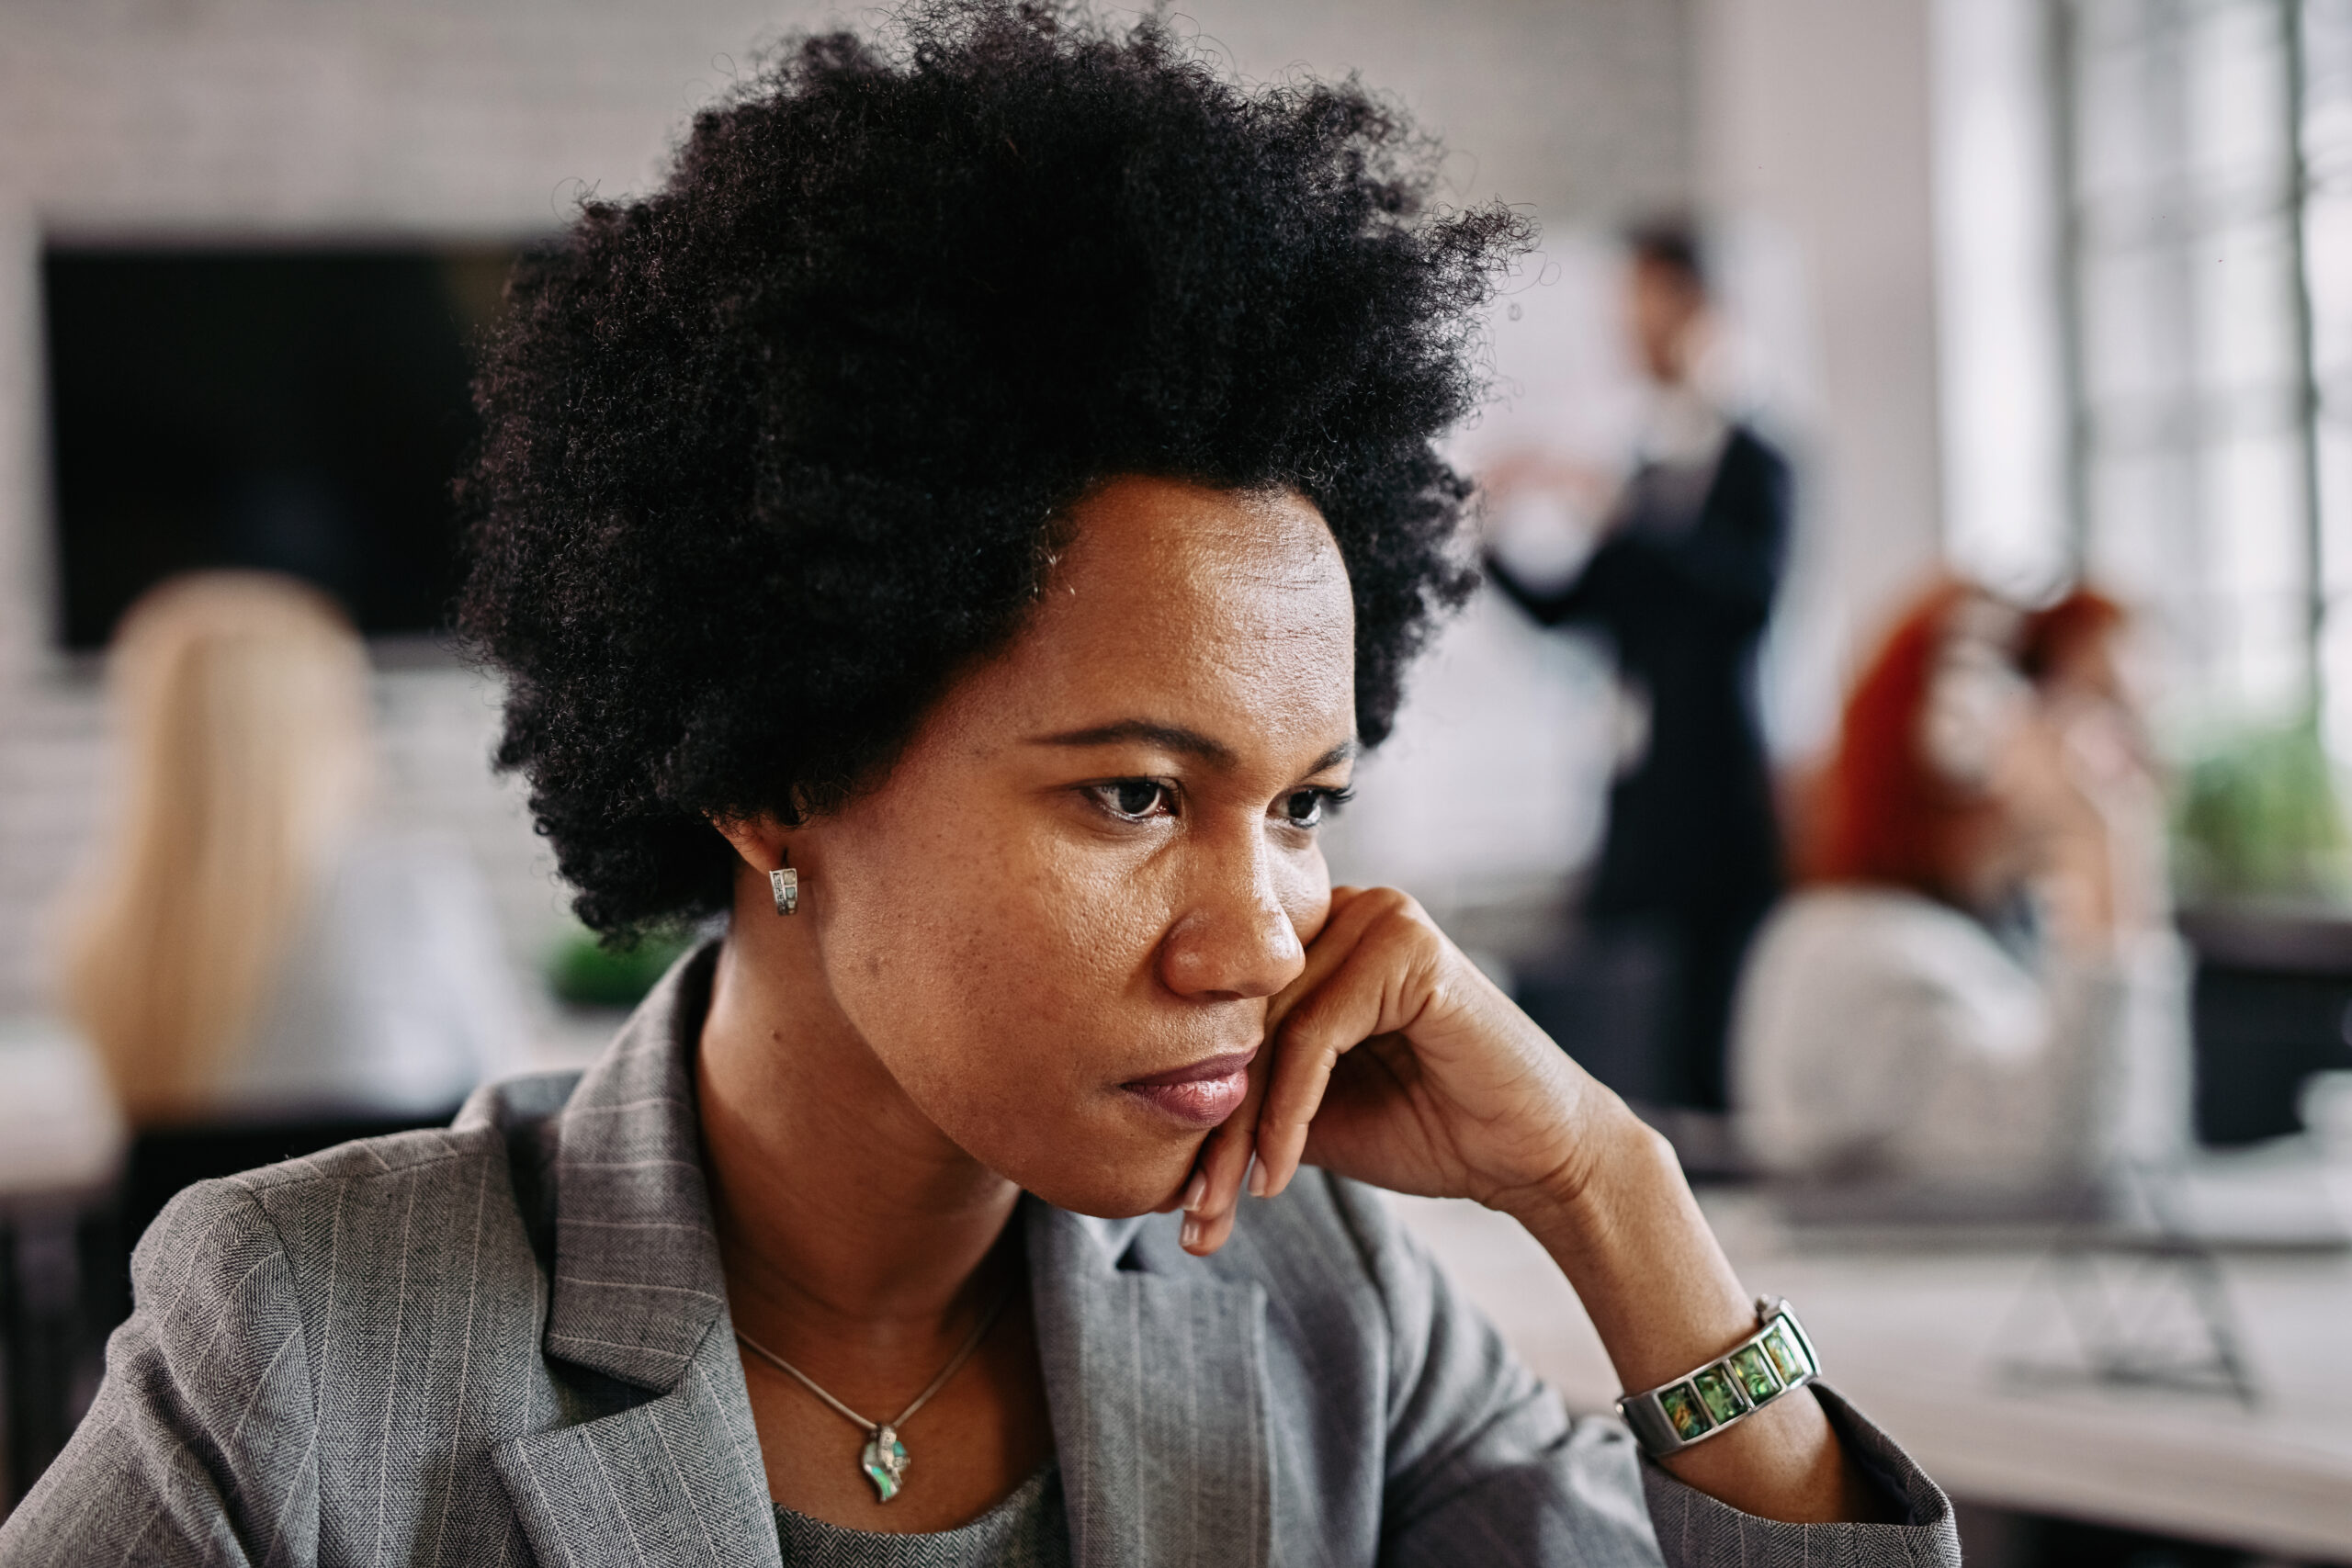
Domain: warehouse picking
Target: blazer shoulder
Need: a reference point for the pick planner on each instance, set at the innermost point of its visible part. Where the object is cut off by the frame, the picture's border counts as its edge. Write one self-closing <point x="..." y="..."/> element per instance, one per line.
<point x="513" y="1121"/>
<point x="280" y="1206"/>
<point x="370" y="1203"/>
<point x="362" y="1159"/>
<point x="286" y="1319"/>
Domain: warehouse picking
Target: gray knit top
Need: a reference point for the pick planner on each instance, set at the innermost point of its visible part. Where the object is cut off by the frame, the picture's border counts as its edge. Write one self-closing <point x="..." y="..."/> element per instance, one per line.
<point x="1028" y="1529"/>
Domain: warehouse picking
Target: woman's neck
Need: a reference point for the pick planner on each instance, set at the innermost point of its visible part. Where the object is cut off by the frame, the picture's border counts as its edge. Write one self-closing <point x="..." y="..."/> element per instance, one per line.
<point x="842" y="1211"/>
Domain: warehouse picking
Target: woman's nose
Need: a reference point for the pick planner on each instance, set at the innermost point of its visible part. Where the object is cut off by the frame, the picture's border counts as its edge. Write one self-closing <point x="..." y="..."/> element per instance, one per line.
<point x="1237" y="941"/>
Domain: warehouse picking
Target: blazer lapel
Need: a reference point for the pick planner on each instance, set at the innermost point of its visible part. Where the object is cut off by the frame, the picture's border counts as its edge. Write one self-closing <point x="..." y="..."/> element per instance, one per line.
<point x="1157" y="1384"/>
<point x="638" y="1294"/>
<point x="638" y="1281"/>
<point x="1156" y="1379"/>
<point x="675" y="1481"/>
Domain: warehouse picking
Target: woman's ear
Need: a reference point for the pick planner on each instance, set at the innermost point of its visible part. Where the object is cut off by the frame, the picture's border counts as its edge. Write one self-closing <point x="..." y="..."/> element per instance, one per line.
<point x="761" y="840"/>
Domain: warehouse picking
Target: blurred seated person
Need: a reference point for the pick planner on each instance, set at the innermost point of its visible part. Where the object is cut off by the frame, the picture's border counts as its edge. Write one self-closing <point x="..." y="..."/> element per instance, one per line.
<point x="1680" y="583"/>
<point x="246" y="947"/>
<point x="1976" y="995"/>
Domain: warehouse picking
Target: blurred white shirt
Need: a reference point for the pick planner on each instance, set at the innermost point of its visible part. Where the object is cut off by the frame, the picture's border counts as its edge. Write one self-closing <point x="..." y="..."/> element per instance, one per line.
<point x="60" y="1128"/>
<point x="396" y="997"/>
<point x="1883" y="1036"/>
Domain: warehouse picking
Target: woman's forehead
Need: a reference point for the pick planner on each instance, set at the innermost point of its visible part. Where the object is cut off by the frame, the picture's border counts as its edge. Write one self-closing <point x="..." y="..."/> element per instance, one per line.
<point x="1186" y="565"/>
<point x="1219" y="612"/>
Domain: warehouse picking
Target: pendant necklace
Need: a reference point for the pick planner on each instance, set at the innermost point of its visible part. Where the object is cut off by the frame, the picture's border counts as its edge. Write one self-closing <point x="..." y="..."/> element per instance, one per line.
<point x="883" y="1459"/>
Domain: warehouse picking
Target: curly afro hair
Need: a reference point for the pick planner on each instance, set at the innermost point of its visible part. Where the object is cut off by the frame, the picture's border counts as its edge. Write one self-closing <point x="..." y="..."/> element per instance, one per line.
<point x="773" y="453"/>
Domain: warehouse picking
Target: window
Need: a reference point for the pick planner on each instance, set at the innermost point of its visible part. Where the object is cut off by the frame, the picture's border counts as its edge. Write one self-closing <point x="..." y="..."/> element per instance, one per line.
<point x="2205" y="158"/>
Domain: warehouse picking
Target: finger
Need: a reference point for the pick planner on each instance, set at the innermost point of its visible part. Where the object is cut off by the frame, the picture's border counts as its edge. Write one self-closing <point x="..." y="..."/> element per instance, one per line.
<point x="1228" y="1159"/>
<point x="1350" y="915"/>
<point x="1353" y="911"/>
<point x="1215" y="1190"/>
<point x="1346" y="1011"/>
<point x="1377" y="989"/>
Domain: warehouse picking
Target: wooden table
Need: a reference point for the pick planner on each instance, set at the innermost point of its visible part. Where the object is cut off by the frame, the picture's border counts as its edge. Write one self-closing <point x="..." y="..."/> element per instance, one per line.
<point x="1921" y="1333"/>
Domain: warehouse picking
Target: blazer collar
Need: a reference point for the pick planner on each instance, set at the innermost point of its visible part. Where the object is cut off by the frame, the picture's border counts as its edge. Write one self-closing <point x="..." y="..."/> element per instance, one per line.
<point x="1154" y="1365"/>
<point x="1155" y="1375"/>
<point x="637" y="1283"/>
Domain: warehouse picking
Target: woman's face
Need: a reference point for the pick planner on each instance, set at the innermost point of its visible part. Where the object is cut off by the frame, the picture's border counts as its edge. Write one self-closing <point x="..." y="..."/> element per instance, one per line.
<point x="1058" y="923"/>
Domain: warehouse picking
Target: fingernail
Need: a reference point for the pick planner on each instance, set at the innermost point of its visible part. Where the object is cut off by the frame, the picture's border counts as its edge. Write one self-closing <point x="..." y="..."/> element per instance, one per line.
<point x="1196" y="1191"/>
<point x="1191" y="1236"/>
<point x="1256" y="1178"/>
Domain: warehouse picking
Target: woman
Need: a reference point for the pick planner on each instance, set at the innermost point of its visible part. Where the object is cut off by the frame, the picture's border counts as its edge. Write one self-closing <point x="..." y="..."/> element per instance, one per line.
<point x="1976" y="1001"/>
<point x="961" y="530"/>
<point x="245" y="946"/>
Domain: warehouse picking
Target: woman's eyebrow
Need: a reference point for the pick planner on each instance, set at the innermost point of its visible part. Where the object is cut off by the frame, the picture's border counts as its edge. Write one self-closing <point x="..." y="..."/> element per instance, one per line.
<point x="1167" y="736"/>
<point x="1176" y="737"/>
<point x="1345" y="751"/>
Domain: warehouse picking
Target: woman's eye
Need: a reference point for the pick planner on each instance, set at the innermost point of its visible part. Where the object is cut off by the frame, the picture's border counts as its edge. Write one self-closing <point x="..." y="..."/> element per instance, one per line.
<point x="1305" y="807"/>
<point x="1139" y="799"/>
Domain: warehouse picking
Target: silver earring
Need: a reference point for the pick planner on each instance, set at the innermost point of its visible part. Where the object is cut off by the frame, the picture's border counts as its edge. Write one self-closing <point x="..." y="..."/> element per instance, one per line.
<point x="787" y="884"/>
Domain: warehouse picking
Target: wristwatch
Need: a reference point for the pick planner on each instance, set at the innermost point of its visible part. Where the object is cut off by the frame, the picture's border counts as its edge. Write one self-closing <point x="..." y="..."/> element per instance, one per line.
<point x="1693" y="1407"/>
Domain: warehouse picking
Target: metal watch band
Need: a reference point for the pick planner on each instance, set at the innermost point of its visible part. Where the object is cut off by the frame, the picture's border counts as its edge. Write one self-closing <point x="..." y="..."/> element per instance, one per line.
<point x="1693" y="1407"/>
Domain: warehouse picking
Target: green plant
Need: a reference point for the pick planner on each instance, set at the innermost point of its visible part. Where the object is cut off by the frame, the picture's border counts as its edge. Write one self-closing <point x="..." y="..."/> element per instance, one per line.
<point x="2258" y="817"/>
<point x="586" y="971"/>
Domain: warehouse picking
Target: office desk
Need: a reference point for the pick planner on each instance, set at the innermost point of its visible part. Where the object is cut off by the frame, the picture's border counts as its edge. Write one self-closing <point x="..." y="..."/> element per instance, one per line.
<point x="1910" y="1333"/>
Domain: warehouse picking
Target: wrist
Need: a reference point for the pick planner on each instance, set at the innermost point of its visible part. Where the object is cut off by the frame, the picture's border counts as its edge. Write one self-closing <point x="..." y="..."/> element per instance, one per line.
<point x="1625" y="1229"/>
<point x="1622" y="1224"/>
<point x="1620" y="1165"/>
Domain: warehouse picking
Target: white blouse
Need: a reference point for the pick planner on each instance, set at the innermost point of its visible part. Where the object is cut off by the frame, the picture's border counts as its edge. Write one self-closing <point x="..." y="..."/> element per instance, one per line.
<point x="1882" y="1035"/>
<point x="395" y="997"/>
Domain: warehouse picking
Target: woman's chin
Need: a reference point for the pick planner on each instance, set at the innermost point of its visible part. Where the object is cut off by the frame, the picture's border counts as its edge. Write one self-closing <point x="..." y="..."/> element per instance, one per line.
<point x="1113" y="1188"/>
<point x="1103" y="1151"/>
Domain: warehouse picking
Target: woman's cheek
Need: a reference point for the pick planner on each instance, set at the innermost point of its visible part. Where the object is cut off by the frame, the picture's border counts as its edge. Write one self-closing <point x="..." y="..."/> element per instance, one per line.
<point x="1307" y="895"/>
<point x="1025" y="1008"/>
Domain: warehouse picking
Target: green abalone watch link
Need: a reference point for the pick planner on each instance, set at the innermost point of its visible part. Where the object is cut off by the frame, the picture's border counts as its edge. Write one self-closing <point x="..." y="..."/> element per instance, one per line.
<point x="1693" y="1407"/>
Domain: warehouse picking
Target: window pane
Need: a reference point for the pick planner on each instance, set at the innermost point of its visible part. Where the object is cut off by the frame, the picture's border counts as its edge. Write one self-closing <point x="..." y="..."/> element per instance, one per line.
<point x="2190" y="339"/>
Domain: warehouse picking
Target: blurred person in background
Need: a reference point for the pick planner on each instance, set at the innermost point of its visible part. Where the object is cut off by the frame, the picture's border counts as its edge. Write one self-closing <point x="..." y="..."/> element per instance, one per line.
<point x="1680" y="583"/>
<point x="246" y="945"/>
<point x="1978" y="994"/>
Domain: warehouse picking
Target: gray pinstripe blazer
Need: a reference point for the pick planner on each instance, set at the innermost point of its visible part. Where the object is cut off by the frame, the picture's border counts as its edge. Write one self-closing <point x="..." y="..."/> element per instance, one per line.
<point x="508" y="1342"/>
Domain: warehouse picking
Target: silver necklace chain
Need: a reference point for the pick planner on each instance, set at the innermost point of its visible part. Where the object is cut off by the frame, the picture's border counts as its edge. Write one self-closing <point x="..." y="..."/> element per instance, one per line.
<point x="875" y="1428"/>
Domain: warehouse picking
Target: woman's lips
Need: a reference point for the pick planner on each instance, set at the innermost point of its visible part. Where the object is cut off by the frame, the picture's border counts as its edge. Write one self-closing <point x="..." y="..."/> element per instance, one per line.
<point x="1201" y="1095"/>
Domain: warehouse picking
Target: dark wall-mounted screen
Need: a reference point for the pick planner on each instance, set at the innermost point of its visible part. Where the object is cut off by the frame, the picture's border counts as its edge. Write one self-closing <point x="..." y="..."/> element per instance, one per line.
<point x="299" y="410"/>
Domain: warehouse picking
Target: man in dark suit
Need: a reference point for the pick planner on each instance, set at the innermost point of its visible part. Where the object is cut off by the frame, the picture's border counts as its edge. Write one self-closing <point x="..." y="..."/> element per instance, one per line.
<point x="1681" y="586"/>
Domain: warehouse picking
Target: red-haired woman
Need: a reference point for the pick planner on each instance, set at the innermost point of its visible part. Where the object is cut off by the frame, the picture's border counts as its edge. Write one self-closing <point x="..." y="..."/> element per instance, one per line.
<point x="1975" y="993"/>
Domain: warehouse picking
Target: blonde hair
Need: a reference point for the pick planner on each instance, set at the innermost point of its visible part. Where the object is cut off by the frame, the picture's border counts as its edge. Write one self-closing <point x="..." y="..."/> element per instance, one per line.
<point x="240" y="701"/>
